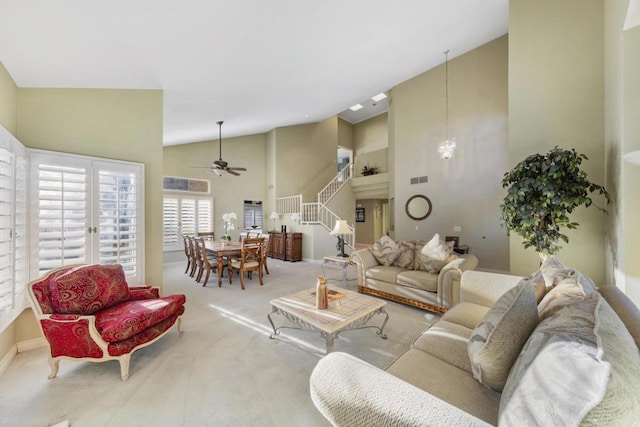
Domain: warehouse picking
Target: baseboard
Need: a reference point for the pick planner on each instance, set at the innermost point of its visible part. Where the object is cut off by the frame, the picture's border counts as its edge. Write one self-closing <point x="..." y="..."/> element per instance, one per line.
<point x="7" y="359"/>
<point x="31" y="344"/>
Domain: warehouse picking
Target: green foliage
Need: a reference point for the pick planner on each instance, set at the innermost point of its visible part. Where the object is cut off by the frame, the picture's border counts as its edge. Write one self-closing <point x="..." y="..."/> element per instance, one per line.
<point x="542" y="191"/>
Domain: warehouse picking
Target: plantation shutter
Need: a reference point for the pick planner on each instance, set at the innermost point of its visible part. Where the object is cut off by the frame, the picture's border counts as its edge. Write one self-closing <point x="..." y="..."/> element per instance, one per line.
<point x="86" y="211"/>
<point x="184" y="215"/>
<point x="13" y="227"/>
<point x="119" y="207"/>
<point x="6" y="229"/>
<point x="170" y="224"/>
<point x="61" y="214"/>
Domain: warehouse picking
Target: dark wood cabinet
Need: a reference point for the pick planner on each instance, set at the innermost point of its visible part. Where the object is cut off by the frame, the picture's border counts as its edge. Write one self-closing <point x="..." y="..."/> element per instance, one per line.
<point x="285" y="246"/>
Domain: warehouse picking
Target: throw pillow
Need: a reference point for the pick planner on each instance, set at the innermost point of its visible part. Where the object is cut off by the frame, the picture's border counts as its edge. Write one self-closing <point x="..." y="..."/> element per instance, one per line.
<point x="385" y="250"/>
<point x="569" y="284"/>
<point x="560" y="375"/>
<point x="89" y="289"/>
<point x="434" y="255"/>
<point x="437" y="249"/>
<point x="498" y="339"/>
<point x="406" y="257"/>
<point x="539" y="284"/>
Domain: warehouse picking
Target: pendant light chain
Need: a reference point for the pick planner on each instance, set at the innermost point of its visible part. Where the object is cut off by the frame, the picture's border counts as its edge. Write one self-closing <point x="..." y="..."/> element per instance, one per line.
<point x="446" y="91"/>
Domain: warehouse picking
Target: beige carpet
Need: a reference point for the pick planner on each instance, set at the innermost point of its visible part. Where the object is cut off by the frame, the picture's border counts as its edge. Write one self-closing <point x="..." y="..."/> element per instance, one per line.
<point x="222" y="371"/>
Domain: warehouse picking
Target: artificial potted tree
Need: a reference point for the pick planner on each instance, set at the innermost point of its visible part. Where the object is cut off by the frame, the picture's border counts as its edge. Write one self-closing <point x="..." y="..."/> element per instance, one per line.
<point x="543" y="190"/>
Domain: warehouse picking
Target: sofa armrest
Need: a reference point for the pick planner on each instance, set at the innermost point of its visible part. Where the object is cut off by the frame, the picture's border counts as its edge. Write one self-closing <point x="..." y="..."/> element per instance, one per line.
<point x="364" y="259"/>
<point x="143" y="292"/>
<point x="449" y="279"/>
<point x="349" y="391"/>
<point x="484" y="288"/>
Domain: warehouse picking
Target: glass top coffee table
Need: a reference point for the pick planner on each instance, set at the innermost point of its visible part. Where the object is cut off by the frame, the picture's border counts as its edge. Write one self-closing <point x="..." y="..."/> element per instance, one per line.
<point x="347" y="311"/>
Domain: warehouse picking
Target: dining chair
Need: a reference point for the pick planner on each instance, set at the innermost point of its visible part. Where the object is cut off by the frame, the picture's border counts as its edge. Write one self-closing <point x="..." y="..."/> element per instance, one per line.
<point x="185" y="240"/>
<point x="192" y="254"/>
<point x="250" y="259"/>
<point x="209" y="261"/>
<point x="199" y="258"/>
<point x="208" y="235"/>
<point x="265" y="254"/>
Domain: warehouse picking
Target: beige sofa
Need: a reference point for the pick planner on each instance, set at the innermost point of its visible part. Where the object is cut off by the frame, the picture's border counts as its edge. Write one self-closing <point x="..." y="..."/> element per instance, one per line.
<point x="579" y="366"/>
<point x="406" y="282"/>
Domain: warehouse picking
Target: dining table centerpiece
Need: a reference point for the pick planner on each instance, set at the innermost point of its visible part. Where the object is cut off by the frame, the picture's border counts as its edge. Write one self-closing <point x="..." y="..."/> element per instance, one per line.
<point x="228" y="226"/>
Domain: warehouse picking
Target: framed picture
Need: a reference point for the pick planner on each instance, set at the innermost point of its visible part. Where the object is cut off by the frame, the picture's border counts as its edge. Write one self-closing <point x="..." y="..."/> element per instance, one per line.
<point x="359" y="214"/>
<point x="454" y="239"/>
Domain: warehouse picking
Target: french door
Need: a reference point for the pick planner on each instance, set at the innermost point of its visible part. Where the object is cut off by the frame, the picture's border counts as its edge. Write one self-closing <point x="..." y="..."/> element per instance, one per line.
<point x="185" y="214"/>
<point x="86" y="210"/>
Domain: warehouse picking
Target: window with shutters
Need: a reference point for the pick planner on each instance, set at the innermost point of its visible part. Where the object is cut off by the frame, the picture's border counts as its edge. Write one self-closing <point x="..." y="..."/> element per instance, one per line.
<point x="252" y="215"/>
<point x="86" y="210"/>
<point x="182" y="214"/>
<point x="13" y="227"/>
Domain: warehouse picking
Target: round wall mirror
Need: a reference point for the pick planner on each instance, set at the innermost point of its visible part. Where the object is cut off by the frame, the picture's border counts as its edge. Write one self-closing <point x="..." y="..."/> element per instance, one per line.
<point x="418" y="207"/>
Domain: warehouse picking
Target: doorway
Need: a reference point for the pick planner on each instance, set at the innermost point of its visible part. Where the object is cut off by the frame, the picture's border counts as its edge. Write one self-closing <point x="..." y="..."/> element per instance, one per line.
<point x="345" y="157"/>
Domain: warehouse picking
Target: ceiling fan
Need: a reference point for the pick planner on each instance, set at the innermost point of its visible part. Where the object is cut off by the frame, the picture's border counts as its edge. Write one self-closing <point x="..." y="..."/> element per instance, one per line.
<point x="220" y="165"/>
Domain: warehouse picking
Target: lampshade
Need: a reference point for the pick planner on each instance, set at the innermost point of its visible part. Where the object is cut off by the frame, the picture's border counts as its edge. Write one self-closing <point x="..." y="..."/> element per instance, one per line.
<point x="341" y="228"/>
<point x="296" y="216"/>
<point x="274" y="215"/>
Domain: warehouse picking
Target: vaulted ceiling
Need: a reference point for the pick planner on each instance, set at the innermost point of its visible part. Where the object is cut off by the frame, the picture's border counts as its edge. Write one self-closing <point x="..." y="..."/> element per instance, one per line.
<point x="255" y="64"/>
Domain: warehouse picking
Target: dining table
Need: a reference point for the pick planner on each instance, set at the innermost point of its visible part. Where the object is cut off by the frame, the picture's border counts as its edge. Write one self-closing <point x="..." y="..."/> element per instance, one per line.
<point x="221" y="250"/>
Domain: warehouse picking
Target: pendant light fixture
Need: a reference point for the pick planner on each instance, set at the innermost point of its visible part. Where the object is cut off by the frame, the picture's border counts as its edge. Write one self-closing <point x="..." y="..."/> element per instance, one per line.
<point x="448" y="146"/>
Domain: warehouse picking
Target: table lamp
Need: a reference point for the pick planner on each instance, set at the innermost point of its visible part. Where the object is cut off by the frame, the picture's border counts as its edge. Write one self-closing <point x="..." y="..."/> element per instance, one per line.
<point x="341" y="229"/>
<point x="295" y="217"/>
<point x="274" y="216"/>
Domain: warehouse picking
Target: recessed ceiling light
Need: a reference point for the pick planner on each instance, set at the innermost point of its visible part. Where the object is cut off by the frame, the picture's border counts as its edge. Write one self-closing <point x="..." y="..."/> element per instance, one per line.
<point x="356" y="107"/>
<point x="379" y="97"/>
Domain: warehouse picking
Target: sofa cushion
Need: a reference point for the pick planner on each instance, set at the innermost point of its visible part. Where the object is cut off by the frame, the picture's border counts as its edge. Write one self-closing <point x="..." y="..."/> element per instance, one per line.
<point x="387" y="274"/>
<point x="560" y="374"/>
<point x="466" y="314"/>
<point x="499" y="337"/>
<point x="418" y="279"/>
<point x="407" y="254"/>
<point x="89" y="288"/>
<point x="126" y="319"/>
<point x="434" y="255"/>
<point x="385" y="250"/>
<point x="447" y="341"/>
<point x="446" y="382"/>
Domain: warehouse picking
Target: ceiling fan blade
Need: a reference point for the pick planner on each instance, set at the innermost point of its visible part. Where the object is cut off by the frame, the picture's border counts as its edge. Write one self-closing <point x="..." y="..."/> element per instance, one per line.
<point x="216" y="171"/>
<point x="237" y="169"/>
<point x="232" y="172"/>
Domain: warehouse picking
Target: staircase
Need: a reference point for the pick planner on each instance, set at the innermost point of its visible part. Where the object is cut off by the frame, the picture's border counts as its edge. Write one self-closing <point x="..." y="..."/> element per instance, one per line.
<point x="317" y="212"/>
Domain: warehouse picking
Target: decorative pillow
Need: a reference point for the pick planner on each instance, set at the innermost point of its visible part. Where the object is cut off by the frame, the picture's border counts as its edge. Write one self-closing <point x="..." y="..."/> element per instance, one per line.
<point x="569" y="284"/>
<point x="434" y="255"/>
<point x="89" y="289"/>
<point x="549" y="267"/>
<point x="539" y="284"/>
<point x="498" y="339"/>
<point x="437" y="249"/>
<point x="385" y="250"/>
<point x="560" y="375"/>
<point x="406" y="256"/>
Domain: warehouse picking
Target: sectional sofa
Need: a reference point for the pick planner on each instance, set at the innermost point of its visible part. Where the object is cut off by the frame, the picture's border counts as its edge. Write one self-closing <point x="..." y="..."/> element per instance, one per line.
<point x="549" y="349"/>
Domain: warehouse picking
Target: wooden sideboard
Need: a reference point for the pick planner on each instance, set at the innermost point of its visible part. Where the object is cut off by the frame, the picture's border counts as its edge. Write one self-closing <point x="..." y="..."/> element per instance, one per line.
<point x="285" y="246"/>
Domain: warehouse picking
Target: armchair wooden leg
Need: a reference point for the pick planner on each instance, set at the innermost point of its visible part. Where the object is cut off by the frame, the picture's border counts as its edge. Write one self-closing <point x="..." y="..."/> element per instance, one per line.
<point x="180" y="327"/>
<point x="55" y="365"/>
<point x="124" y="366"/>
<point x="241" y="280"/>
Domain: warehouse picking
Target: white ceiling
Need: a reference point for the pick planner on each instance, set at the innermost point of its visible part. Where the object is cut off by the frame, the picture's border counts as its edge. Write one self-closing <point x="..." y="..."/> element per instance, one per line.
<point x="255" y="64"/>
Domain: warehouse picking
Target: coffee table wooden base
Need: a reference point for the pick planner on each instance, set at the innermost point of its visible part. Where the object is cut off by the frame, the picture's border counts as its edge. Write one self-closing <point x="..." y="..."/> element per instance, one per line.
<point x="353" y="311"/>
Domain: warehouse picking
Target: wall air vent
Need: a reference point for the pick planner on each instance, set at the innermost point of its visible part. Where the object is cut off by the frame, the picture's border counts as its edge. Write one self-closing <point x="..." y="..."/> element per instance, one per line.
<point x="419" y="179"/>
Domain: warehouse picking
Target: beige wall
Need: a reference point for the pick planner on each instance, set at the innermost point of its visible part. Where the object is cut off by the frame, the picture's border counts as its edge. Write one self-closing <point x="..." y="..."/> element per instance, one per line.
<point x="229" y="192"/>
<point x="8" y="97"/>
<point x="556" y="97"/>
<point x="465" y="191"/>
<point x="306" y="158"/>
<point x="345" y="134"/>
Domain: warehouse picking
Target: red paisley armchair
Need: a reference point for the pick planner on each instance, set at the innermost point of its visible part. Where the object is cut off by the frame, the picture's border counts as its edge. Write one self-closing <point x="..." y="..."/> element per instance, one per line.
<point x="89" y="313"/>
